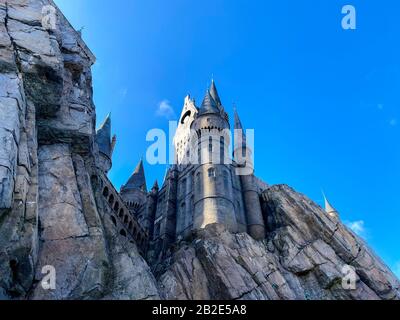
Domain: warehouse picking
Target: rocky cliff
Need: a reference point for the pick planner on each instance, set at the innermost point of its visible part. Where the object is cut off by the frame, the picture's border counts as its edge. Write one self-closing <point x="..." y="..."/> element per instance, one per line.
<point x="303" y="257"/>
<point x="48" y="210"/>
<point x="51" y="213"/>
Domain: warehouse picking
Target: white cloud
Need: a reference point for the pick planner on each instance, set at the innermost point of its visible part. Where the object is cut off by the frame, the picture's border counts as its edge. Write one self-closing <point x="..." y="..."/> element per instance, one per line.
<point x="165" y="110"/>
<point x="358" y="227"/>
<point x="393" y="122"/>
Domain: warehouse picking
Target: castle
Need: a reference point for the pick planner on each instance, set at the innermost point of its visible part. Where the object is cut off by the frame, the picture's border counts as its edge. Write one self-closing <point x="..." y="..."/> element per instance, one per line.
<point x="202" y="188"/>
<point x="58" y="208"/>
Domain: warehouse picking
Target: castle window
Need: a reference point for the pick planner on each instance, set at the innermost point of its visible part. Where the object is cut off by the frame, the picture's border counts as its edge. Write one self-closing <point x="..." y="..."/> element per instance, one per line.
<point x="121" y="213"/>
<point x="198" y="181"/>
<point x="211" y="173"/>
<point x="105" y="192"/>
<point x="116" y="207"/>
<point x="183" y="187"/>
<point x="210" y="145"/>
<point x="126" y="219"/>
<point x="130" y="226"/>
<point x="222" y="150"/>
<point x="114" y="221"/>
<point x="199" y="154"/>
<point x="111" y="200"/>
<point x="122" y="233"/>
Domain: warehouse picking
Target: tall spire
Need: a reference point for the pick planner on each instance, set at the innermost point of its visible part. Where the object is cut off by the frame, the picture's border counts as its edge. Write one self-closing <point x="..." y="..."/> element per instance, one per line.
<point x="330" y="210"/>
<point x="238" y="123"/>
<point x="209" y="105"/>
<point x="214" y="93"/>
<point x="137" y="179"/>
<point x="103" y="137"/>
<point x="155" y="186"/>
<point x="238" y="127"/>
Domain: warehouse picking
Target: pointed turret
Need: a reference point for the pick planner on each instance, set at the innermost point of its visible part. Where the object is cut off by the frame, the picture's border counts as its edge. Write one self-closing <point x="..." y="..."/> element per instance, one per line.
<point x="103" y="137"/>
<point x="137" y="179"/>
<point x="330" y="210"/>
<point x="238" y="126"/>
<point x="209" y="106"/>
<point x="214" y="93"/>
<point x="105" y="145"/>
<point x="240" y="143"/>
<point x="155" y="186"/>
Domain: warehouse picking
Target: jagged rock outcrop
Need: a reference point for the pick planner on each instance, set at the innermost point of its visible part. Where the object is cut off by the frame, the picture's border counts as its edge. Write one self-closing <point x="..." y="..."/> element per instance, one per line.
<point x="53" y="213"/>
<point x="302" y="258"/>
<point x="48" y="209"/>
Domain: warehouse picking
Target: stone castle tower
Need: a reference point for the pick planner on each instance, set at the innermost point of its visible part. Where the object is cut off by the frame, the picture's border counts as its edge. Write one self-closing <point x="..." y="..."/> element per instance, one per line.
<point x="202" y="188"/>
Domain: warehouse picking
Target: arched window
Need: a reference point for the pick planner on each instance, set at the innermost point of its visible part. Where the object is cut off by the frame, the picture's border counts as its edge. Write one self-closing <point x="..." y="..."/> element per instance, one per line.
<point x="130" y="226"/>
<point x="183" y="187"/>
<point x="211" y="173"/>
<point x="222" y="150"/>
<point x="210" y="144"/>
<point x="116" y="206"/>
<point x="126" y="218"/>
<point x="121" y="213"/>
<point x="105" y="192"/>
<point x="198" y="181"/>
<point x="199" y="154"/>
<point x="111" y="200"/>
<point x="114" y="221"/>
<point x="122" y="233"/>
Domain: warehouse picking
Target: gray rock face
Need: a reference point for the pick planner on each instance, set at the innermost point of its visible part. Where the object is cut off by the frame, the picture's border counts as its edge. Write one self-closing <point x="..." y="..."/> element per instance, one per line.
<point x="52" y="213"/>
<point x="48" y="209"/>
<point x="302" y="258"/>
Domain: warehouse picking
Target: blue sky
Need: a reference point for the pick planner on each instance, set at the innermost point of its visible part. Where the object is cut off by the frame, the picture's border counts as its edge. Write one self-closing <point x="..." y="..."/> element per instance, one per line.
<point x="324" y="102"/>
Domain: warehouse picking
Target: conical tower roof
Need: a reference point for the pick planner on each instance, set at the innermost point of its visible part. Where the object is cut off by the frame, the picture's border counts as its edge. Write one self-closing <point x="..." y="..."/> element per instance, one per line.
<point x="155" y="186"/>
<point x="209" y="105"/>
<point x="330" y="210"/>
<point x="103" y="137"/>
<point x="214" y="93"/>
<point x="238" y="126"/>
<point x="137" y="179"/>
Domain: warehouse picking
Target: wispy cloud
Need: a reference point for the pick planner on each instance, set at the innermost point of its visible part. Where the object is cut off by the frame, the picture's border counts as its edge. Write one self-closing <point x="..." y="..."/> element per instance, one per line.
<point x="393" y="122"/>
<point x="358" y="227"/>
<point x="165" y="110"/>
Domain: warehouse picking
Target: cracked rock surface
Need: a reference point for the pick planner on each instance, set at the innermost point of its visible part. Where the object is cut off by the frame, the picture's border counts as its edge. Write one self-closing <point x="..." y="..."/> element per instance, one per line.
<point x="48" y="209"/>
<point x="51" y="212"/>
<point x="302" y="258"/>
